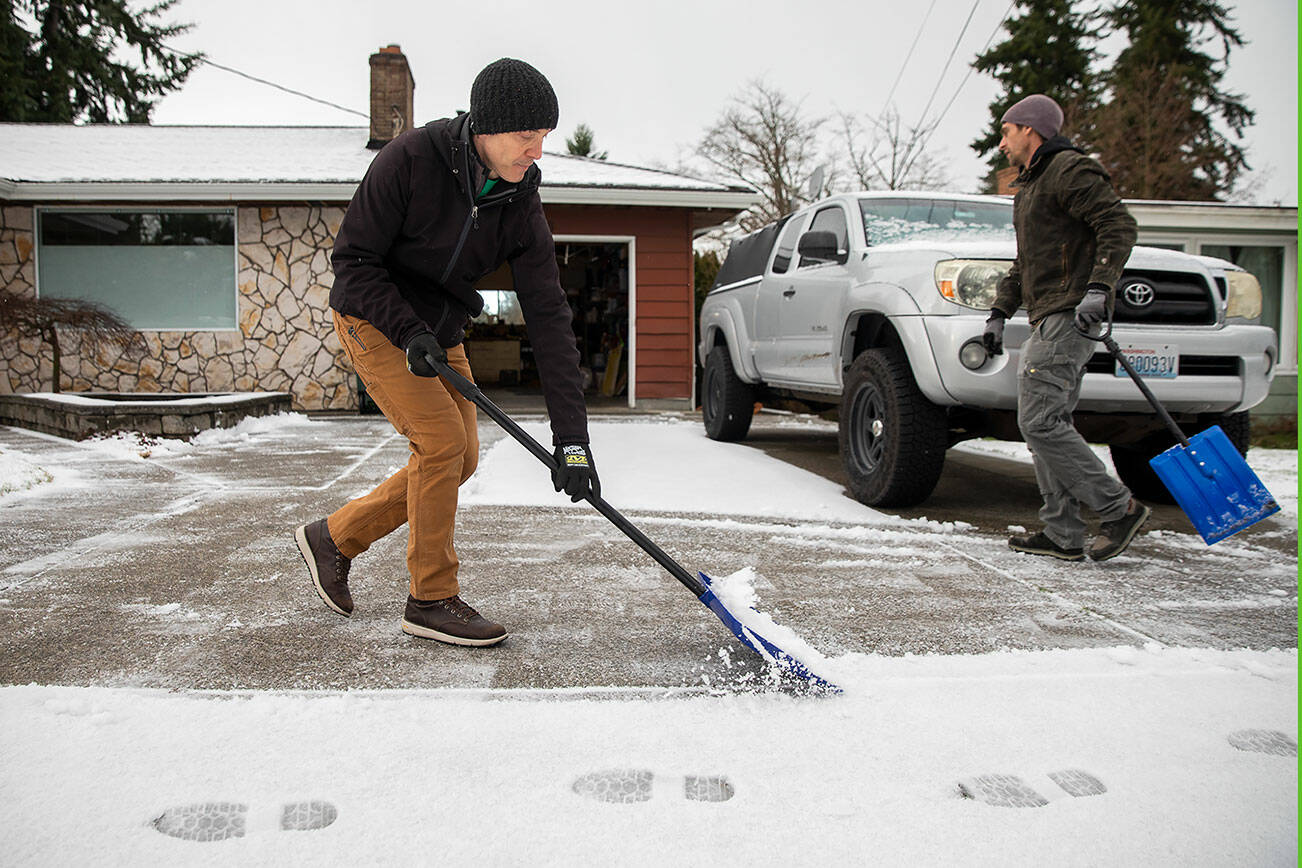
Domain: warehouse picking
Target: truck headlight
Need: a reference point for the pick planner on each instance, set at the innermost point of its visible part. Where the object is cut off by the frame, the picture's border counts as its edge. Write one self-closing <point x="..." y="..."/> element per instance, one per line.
<point x="971" y="282"/>
<point x="1244" y="295"/>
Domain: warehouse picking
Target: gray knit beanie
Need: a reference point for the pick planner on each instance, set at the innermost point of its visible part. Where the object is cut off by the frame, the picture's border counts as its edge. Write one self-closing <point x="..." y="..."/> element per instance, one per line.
<point x="1038" y="112"/>
<point x="509" y="96"/>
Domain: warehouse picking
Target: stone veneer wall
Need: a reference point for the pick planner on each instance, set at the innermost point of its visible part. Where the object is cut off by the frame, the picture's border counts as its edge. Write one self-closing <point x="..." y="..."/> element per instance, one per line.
<point x="285" y="341"/>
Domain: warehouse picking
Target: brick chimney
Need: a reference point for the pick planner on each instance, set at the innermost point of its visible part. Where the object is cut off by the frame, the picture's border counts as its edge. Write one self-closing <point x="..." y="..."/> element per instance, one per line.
<point x="392" y="88"/>
<point x="1004" y="179"/>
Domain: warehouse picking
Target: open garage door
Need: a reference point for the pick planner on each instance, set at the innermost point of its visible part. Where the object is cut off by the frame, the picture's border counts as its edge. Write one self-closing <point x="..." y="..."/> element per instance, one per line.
<point x="595" y="275"/>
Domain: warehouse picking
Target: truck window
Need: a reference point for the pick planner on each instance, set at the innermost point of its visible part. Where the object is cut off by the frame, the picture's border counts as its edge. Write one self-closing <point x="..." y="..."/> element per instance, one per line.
<point x="787" y="245"/>
<point x="829" y="220"/>
<point x="889" y="220"/>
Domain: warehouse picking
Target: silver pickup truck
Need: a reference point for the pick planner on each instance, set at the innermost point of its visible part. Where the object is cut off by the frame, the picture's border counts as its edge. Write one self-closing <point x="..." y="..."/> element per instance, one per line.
<point x="875" y="303"/>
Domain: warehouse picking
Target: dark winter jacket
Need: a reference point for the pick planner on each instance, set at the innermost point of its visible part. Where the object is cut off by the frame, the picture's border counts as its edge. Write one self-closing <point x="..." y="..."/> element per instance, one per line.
<point x="414" y="241"/>
<point x="1072" y="231"/>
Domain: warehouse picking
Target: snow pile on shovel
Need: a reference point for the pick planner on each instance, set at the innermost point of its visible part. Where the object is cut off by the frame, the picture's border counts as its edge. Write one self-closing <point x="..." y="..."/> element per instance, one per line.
<point x="737" y="592"/>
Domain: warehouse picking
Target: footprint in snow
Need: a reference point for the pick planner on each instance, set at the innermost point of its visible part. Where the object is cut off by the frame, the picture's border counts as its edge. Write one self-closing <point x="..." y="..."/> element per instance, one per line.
<point x="1263" y="741"/>
<point x="1010" y="791"/>
<point x="627" y="786"/>
<point x="216" y="821"/>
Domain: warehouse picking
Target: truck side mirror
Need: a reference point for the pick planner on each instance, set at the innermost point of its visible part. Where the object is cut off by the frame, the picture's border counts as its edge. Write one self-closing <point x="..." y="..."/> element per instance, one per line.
<point x="821" y="246"/>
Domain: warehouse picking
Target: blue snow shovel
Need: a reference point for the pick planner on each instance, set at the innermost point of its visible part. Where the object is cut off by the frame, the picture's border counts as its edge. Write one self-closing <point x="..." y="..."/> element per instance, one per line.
<point x="1204" y="473"/>
<point x="699" y="584"/>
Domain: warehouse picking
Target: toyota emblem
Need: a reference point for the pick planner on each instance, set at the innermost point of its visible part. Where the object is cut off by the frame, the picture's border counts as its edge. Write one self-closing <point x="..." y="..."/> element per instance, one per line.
<point x="1139" y="295"/>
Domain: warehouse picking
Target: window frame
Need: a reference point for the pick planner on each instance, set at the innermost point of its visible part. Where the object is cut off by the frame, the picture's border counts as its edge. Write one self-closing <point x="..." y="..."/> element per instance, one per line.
<point x="1286" y="334"/>
<point x="232" y="210"/>
<point x="845" y="223"/>
<point x="794" y="225"/>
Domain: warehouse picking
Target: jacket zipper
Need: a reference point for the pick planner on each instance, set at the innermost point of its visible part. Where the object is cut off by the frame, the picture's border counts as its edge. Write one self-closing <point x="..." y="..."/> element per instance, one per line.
<point x="355" y="337"/>
<point x="473" y="219"/>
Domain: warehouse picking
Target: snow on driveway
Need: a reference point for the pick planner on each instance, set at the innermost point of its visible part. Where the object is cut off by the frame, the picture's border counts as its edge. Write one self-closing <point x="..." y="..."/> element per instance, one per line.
<point x="1101" y="757"/>
<point x="1146" y="753"/>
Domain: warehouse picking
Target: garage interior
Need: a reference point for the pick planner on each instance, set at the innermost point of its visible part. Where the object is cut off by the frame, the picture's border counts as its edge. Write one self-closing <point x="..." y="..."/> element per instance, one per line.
<point x="594" y="275"/>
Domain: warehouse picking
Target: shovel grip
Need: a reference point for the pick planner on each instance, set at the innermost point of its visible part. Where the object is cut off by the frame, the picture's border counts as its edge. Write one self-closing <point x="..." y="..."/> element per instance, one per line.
<point x="476" y="396"/>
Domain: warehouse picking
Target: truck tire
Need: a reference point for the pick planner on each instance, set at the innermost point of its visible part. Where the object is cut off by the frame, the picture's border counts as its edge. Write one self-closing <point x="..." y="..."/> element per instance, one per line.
<point x="1132" y="464"/>
<point x="892" y="438"/>
<point x="727" y="403"/>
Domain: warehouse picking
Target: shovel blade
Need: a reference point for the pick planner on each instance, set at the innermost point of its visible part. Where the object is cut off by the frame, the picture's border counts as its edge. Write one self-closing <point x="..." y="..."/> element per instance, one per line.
<point x="754" y="640"/>
<point x="1214" y="485"/>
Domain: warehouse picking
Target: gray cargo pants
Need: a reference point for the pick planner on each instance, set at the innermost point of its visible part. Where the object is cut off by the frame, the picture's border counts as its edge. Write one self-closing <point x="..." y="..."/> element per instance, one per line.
<point x="1067" y="470"/>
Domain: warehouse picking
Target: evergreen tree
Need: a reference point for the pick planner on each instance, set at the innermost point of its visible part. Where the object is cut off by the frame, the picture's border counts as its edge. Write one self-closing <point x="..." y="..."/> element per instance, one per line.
<point x="1049" y="50"/>
<point x="87" y="60"/>
<point x="583" y="143"/>
<point x="1158" y="132"/>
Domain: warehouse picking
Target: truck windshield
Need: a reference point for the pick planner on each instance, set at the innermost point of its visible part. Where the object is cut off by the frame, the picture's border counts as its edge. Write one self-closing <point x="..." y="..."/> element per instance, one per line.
<point x="891" y="220"/>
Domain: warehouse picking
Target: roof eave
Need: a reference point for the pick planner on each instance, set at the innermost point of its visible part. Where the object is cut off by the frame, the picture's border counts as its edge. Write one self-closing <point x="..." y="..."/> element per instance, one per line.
<point x="1185" y="216"/>
<point x="342" y="191"/>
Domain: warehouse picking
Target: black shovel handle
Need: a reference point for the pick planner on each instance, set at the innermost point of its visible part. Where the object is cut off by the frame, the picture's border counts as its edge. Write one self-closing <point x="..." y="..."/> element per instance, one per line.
<point x="476" y="395"/>
<point x="1107" y="341"/>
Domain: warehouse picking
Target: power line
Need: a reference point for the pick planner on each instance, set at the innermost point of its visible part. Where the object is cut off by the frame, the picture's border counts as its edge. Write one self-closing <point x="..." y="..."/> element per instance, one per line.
<point x="211" y="63"/>
<point x="935" y="90"/>
<point x="945" y="110"/>
<point x="908" y="56"/>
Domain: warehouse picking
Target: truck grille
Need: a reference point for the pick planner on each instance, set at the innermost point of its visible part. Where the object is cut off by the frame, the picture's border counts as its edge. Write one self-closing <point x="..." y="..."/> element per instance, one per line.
<point x="1164" y="297"/>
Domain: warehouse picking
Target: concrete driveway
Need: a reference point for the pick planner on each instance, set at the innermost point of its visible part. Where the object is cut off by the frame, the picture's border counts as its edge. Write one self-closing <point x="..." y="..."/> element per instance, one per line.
<point x="181" y="572"/>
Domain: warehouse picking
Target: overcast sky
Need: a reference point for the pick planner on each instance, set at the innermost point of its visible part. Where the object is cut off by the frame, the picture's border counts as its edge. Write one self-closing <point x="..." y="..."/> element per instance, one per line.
<point x="650" y="78"/>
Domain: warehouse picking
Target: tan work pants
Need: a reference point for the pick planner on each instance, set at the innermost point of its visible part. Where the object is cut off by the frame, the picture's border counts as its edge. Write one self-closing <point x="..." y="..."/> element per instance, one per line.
<point x="439" y="425"/>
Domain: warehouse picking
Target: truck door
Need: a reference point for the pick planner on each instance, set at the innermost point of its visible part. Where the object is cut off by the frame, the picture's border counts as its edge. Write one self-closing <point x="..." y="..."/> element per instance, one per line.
<point x="769" y="298"/>
<point x="812" y="298"/>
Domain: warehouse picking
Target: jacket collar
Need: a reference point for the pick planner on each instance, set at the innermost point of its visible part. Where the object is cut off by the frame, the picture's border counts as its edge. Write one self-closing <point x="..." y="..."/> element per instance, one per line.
<point x="1040" y="159"/>
<point x="452" y="137"/>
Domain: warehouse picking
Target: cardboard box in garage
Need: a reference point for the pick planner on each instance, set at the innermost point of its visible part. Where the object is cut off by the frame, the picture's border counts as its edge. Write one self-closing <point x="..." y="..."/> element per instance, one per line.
<point x="489" y="358"/>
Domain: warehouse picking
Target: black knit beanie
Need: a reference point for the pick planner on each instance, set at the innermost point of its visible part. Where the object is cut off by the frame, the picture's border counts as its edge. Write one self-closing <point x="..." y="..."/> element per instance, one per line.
<point x="509" y="96"/>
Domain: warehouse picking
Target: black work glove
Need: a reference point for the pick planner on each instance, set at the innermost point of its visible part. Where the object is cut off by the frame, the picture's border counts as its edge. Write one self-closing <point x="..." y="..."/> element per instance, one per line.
<point x="993" y="336"/>
<point x="1093" y="308"/>
<point x="424" y="344"/>
<point x="575" y="472"/>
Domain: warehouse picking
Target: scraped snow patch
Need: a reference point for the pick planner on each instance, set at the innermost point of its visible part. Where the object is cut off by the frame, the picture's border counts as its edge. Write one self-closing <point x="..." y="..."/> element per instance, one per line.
<point x="19" y="472"/>
<point x="134" y="446"/>
<point x="251" y="426"/>
<point x="669" y="466"/>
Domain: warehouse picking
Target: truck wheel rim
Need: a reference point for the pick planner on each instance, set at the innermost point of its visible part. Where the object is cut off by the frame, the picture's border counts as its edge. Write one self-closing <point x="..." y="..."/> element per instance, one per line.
<point x="867" y="431"/>
<point x="713" y="394"/>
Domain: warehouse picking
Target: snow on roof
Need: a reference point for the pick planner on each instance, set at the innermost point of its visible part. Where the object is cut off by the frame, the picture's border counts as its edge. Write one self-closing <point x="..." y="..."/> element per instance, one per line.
<point x="137" y="154"/>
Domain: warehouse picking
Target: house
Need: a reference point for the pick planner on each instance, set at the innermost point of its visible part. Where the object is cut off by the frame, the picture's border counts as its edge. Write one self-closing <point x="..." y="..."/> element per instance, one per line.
<point x="215" y="243"/>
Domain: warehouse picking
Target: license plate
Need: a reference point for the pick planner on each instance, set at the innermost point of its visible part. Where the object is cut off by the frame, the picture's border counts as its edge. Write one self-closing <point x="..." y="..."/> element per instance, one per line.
<point x="1161" y="363"/>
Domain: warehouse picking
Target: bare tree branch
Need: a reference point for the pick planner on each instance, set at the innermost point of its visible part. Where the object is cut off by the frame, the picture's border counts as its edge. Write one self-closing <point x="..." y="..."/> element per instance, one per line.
<point x="763" y="141"/>
<point x="894" y="157"/>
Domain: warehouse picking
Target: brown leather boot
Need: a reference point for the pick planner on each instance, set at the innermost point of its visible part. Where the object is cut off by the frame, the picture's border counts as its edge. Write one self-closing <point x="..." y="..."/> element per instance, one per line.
<point x="1115" y="536"/>
<point x="328" y="567"/>
<point x="451" y="620"/>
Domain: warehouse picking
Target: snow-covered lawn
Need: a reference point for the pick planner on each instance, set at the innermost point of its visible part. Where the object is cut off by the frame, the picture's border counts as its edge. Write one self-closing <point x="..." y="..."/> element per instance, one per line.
<point x="1128" y="755"/>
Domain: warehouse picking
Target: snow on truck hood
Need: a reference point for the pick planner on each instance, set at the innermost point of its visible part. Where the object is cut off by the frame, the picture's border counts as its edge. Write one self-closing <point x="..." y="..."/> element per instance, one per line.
<point x="1154" y="258"/>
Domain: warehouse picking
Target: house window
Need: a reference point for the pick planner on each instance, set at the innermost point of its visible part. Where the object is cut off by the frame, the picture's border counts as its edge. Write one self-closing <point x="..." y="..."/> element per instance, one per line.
<point x="156" y="269"/>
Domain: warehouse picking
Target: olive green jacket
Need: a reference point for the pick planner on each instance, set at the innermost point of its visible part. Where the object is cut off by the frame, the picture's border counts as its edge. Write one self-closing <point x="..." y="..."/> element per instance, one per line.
<point x="1072" y="232"/>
